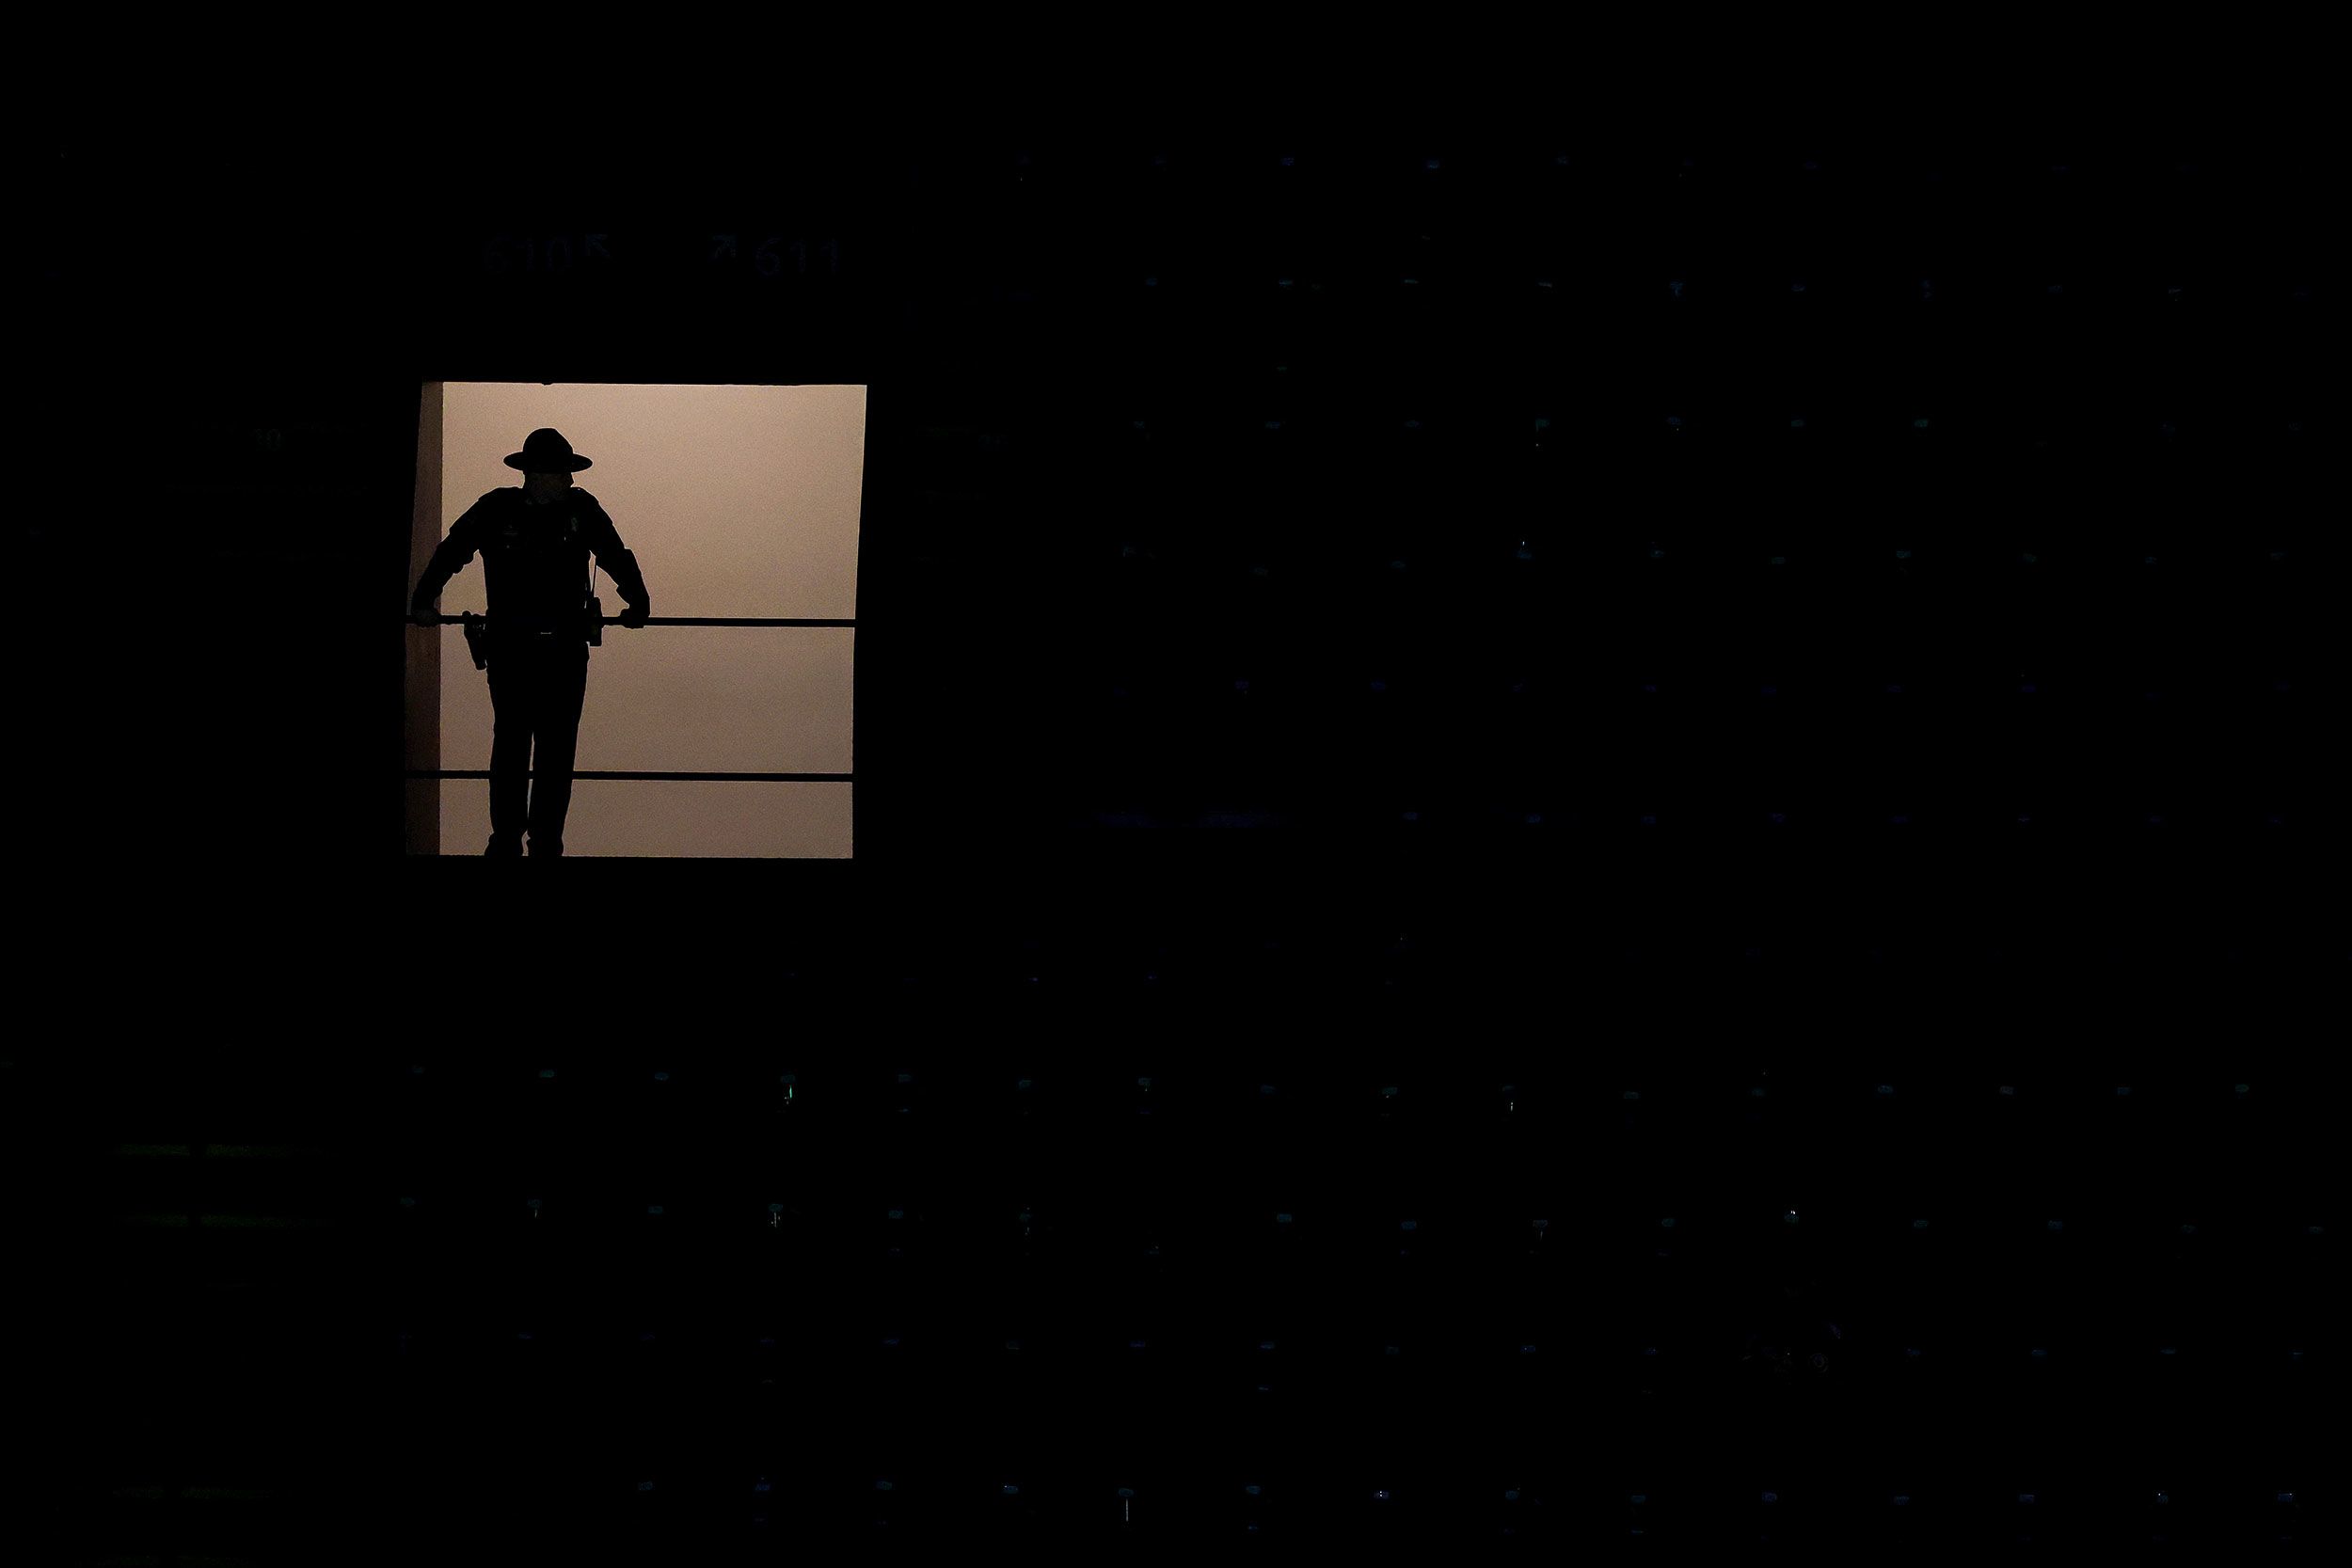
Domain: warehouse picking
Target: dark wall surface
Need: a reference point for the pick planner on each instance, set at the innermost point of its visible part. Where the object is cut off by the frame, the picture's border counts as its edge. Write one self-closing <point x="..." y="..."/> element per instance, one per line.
<point x="1756" y="699"/>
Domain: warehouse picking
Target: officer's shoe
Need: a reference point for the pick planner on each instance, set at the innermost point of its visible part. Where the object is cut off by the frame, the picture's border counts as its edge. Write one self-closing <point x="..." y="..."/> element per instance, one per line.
<point x="503" y="849"/>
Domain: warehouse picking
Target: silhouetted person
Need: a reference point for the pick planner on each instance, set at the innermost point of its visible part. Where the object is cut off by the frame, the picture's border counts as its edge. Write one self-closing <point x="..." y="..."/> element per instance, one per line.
<point x="535" y="541"/>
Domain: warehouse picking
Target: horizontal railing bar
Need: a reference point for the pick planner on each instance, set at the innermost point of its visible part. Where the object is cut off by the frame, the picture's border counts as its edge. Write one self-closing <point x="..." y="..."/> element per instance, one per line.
<point x="668" y="621"/>
<point x="721" y="778"/>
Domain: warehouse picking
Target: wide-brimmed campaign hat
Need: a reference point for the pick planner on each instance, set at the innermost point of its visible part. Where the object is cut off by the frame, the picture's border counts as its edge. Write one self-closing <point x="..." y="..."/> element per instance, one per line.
<point x="546" y="452"/>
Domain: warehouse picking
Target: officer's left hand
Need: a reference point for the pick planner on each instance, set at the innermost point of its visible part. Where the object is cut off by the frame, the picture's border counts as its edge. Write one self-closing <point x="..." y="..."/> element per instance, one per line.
<point x="632" y="616"/>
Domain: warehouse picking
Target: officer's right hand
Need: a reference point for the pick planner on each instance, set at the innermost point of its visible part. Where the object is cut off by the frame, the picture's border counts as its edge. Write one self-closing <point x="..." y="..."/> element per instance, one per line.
<point x="426" y="617"/>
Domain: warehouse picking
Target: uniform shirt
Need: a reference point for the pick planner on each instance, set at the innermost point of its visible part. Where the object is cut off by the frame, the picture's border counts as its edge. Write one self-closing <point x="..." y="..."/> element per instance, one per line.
<point x="534" y="561"/>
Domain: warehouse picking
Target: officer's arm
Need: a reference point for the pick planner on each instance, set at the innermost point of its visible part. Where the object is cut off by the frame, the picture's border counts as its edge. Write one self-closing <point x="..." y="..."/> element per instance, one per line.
<point x="449" y="559"/>
<point x="619" y="562"/>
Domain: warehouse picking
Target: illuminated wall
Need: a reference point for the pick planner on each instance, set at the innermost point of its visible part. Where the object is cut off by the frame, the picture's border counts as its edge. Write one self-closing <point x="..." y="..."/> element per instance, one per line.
<point x="738" y="501"/>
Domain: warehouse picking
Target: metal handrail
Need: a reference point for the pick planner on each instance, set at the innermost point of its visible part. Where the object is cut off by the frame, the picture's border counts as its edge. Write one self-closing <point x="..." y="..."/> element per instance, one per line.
<point x="687" y="778"/>
<point x="651" y="621"/>
<point x="660" y="621"/>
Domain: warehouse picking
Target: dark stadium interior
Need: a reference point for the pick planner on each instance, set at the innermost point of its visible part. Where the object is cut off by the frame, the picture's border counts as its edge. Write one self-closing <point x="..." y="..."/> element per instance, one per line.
<point x="1610" y="839"/>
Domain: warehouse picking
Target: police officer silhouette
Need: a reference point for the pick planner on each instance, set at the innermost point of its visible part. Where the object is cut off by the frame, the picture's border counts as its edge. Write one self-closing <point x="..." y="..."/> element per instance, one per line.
<point x="535" y="540"/>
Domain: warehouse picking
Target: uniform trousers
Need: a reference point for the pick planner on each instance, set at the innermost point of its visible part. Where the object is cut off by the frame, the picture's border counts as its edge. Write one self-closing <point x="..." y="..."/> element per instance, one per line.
<point x="537" y="686"/>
